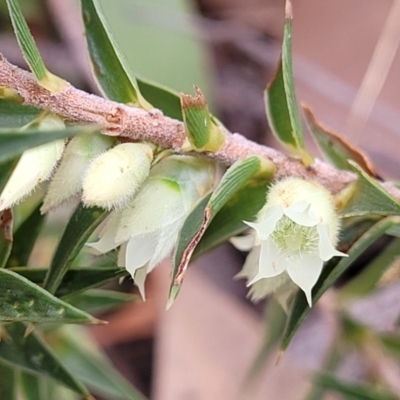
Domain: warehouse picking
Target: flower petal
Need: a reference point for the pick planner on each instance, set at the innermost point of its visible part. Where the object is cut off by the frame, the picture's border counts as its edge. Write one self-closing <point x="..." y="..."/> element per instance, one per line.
<point x="140" y="279"/>
<point x="107" y="236"/>
<point x="139" y="250"/>
<point x="266" y="286"/>
<point x="243" y="243"/>
<point x="301" y="215"/>
<point x="304" y="272"/>
<point x="325" y="247"/>
<point x="251" y="265"/>
<point x="267" y="225"/>
<point x="271" y="261"/>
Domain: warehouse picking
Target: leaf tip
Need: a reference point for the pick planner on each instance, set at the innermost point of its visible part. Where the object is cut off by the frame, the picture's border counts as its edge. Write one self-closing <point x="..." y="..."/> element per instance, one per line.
<point x="288" y="10"/>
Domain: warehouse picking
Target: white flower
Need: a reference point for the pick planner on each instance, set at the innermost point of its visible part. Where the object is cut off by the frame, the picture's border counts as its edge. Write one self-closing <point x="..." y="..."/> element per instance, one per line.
<point x="148" y="229"/>
<point x="35" y="166"/>
<point x="296" y="230"/>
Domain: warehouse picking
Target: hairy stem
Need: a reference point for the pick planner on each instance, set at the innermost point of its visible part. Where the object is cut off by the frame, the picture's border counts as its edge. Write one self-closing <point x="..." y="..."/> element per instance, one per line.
<point x="139" y="125"/>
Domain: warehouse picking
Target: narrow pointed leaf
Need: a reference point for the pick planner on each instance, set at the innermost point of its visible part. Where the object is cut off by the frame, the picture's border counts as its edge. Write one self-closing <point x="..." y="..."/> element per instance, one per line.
<point x="97" y="301"/>
<point x="76" y="280"/>
<point x="14" y="115"/>
<point x="203" y="132"/>
<point x="25" y="238"/>
<point x="335" y="147"/>
<point x="162" y="98"/>
<point x="30" y="51"/>
<point x="190" y="229"/>
<point x="354" y="391"/>
<point x="31" y="354"/>
<point x="6" y="169"/>
<point x="109" y="65"/>
<point x="331" y="272"/>
<point x="81" y="225"/>
<point x="32" y="387"/>
<point x="367" y="280"/>
<point x="228" y="222"/>
<point x="6" y="236"/>
<point x="77" y="352"/>
<point x="8" y="384"/>
<point x="13" y="142"/>
<point x="280" y="98"/>
<point x="239" y="175"/>
<point x="22" y="300"/>
<point x="369" y="197"/>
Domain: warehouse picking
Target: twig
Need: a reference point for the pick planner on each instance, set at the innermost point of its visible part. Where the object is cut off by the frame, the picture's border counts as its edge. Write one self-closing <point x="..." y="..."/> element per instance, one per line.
<point x="139" y="125"/>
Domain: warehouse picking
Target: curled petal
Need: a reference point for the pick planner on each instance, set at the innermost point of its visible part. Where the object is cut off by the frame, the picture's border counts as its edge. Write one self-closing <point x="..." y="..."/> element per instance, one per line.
<point x="304" y="272"/>
<point x="243" y="243"/>
<point x="140" y="280"/>
<point x="267" y="226"/>
<point x="325" y="246"/>
<point x="300" y="214"/>
<point x="266" y="286"/>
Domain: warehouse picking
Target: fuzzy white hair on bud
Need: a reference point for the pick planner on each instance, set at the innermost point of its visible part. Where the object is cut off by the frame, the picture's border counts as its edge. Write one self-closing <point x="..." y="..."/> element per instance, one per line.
<point x="113" y="178"/>
<point x="67" y="180"/>
<point x="34" y="167"/>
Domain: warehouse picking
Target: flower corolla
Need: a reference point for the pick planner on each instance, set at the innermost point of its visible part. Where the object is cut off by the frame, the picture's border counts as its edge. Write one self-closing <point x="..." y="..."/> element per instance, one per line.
<point x="296" y="232"/>
<point x="148" y="229"/>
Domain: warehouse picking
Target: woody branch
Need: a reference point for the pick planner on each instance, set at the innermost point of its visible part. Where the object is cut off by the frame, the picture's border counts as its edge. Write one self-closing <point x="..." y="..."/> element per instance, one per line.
<point x="139" y="125"/>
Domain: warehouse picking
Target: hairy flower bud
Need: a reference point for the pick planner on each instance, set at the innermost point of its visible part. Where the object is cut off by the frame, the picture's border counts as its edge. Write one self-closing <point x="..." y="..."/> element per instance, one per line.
<point x="113" y="178"/>
<point x="297" y="230"/>
<point x="35" y="166"/>
<point x="67" y="180"/>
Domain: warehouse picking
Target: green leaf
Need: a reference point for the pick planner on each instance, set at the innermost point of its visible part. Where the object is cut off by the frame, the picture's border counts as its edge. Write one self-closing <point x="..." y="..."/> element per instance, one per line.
<point x="35" y="387"/>
<point x="78" y="353"/>
<point x="335" y="147"/>
<point x="81" y="225"/>
<point x="76" y="280"/>
<point x="30" y="51"/>
<point x="13" y="115"/>
<point x="369" y="197"/>
<point x="31" y="354"/>
<point x="280" y="99"/>
<point x="13" y="142"/>
<point x="97" y="301"/>
<point x="32" y="387"/>
<point x="333" y="269"/>
<point x="228" y="222"/>
<point x="162" y="98"/>
<point x="353" y="391"/>
<point x="22" y="300"/>
<point x="366" y="281"/>
<point x="7" y="382"/>
<point x="7" y="169"/>
<point x="236" y="178"/>
<point x="25" y="238"/>
<point x="109" y="65"/>
<point x="6" y="236"/>
<point x="203" y="132"/>
<point x="189" y="230"/>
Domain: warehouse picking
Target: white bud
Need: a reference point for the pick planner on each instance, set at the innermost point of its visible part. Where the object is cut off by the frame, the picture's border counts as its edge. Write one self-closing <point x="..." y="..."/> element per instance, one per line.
<point x="67" y="180"/>
<point x="35" y="166"/>
<point x="113" y="178"/>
